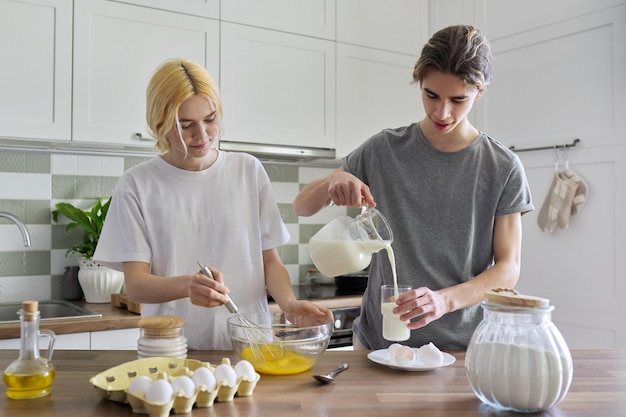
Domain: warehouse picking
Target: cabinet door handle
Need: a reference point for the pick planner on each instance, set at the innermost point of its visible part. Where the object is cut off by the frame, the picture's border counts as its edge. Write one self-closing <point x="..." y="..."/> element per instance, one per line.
<point x="140" y="137"/>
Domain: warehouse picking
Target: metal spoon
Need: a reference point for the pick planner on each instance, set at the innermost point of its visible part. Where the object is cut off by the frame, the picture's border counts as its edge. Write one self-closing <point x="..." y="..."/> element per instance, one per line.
<point x="330" y="377"/>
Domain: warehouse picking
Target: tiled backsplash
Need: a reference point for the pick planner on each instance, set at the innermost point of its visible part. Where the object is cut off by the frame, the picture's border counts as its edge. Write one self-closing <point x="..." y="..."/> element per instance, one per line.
<point x="31" y="184"/>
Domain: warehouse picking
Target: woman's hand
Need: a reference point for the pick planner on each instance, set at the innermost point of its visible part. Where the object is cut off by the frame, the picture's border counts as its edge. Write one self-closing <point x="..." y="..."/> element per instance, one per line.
<point x="207" y="292"/>
<point x="421" y="302"/>
<point x="306" y="307"/>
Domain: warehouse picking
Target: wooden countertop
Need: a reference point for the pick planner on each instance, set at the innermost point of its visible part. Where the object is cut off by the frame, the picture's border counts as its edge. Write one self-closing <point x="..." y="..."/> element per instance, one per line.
<point x="115" y="318"/>
<point x="365" y="389"/>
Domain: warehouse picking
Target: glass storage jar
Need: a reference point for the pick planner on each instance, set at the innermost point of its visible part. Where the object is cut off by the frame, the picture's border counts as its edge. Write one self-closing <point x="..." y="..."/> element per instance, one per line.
<point x="517" y="359"/>
<point x="162" y="336"/>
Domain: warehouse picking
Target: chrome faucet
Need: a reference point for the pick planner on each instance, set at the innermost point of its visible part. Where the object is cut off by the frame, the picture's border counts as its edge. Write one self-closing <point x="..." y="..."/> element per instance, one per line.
<point x="19" y="224"/>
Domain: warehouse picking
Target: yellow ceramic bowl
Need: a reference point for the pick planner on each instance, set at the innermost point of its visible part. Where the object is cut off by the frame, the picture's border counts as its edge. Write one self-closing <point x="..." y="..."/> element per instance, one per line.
<point x="279" y="344"/>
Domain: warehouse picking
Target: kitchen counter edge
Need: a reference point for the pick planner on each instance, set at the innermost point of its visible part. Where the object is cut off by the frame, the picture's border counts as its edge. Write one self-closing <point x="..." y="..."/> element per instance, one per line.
<point x="116" y="318"/>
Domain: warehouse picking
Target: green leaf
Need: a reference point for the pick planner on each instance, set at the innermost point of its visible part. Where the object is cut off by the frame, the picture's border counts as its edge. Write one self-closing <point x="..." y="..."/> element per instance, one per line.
<point x="90" y="221"/>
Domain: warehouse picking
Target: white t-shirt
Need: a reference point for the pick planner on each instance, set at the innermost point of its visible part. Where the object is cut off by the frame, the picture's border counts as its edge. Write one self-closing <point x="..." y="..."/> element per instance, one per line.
<point x="170" y="218"/>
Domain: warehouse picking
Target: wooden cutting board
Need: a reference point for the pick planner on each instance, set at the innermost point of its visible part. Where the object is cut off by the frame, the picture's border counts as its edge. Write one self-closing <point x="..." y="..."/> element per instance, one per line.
<point x="122" y="301"/>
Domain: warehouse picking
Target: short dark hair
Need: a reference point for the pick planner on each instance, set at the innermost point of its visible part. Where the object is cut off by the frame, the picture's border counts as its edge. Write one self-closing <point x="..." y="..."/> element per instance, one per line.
<point x="461" y="50"/>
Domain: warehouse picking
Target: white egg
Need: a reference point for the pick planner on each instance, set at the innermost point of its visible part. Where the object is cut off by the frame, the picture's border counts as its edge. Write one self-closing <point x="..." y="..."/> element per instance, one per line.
<point x="225" y="374"/>
<point x="245" y="370"/>
<point x="203" y="377"/>
<point x="183" y="385"/>
<point x="160" y="392"/>
<point x="405" y="356"/>
<point x="140" y="384"/>
<point x="392" y="349"/>
<point x="430" y="355"/>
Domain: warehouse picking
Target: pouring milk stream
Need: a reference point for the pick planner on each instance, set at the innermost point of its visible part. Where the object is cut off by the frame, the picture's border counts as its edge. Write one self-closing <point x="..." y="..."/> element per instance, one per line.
<point x="345" y="245"/>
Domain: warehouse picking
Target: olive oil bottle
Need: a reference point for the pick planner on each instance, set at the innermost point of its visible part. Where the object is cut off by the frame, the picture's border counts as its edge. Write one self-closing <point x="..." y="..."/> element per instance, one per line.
<point x="31" y="375"/>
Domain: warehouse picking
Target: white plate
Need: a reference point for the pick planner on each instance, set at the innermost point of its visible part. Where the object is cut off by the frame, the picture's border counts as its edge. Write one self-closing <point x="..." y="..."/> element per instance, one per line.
<point x="382" y="357"/>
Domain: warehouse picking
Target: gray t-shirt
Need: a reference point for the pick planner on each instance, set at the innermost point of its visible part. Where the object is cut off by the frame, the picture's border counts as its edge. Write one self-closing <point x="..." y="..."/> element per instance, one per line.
<point x="441" y="207"/>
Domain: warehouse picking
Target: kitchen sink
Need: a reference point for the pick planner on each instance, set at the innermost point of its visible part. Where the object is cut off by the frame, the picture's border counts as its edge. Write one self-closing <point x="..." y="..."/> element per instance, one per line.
<point x="49" y="309"/>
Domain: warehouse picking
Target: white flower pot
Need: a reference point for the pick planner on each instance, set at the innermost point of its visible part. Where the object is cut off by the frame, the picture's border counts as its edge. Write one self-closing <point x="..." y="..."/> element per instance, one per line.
<point x="99" y="282"/>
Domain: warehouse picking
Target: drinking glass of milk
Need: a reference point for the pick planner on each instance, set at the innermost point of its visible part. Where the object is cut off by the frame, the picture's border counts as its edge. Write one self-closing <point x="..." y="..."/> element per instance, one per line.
<point x="394" y="329"/>
<point x="345" y="245"/>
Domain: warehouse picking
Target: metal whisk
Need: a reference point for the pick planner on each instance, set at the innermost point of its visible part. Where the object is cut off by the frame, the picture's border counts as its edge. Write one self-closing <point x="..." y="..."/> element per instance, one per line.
<point x="260" y="338"/>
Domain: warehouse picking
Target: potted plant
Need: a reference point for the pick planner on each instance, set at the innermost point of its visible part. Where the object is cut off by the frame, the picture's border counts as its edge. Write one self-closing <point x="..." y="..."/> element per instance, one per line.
<point x="97" y="281"/>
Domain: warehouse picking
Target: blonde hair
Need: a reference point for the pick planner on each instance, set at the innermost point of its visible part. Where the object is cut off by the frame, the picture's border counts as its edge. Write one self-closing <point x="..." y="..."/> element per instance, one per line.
<point x="173" y="82"/>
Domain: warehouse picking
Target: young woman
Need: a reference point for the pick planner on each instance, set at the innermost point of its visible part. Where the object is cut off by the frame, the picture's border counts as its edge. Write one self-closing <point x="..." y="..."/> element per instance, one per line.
<point x="194" y="204"/>
<point x="454" y="198"/>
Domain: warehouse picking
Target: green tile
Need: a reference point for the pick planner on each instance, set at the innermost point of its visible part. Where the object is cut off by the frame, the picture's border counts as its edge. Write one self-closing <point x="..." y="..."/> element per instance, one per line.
<point x="288" y="254"/>
<point x="12" y="162"/>
<point x="56" y="287"/>
<point x="15" y="207"/>
<point x="37" y="163"/>
<point x="63" y="187"/>
<point x="29" y="211"/>
<point x="37" y="212"/>
<point x="87" y="187"/>
<point x="12" y="264"/>
<point x="60" y="239"/>
<point x="37" y="263"/>
<point x="15" y="264"/>
<point x="287" y="213"/>
<point x="307" y="231"/>
<point x="281" y="173"/>
<point x="24" y="162"/>
<point x="107" y="186"/>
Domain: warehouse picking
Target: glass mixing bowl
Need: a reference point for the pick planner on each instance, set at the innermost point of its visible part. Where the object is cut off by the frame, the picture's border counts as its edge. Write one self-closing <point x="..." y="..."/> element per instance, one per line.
<point x="278" y="343"/>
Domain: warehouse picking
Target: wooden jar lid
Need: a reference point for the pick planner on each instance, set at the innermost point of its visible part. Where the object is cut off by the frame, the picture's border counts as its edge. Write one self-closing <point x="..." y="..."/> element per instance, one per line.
<point x="161" y="327"/>
<point x="510" y="297"/>
<point x="161" y="322"/>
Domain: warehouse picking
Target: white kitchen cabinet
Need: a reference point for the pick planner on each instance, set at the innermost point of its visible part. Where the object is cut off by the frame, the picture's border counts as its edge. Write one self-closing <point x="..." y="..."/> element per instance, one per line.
<point x="277" y="88"/>
<point x="394" y="25"/>
<point x="116" y="49"/>
<point x="123" y="339"/>
<point x="36" y="69"/>
<point x="72" y="341"/>
<point x="205" y="8"/>
<point x="305" y="17"/>
<point x="374" y="91"/>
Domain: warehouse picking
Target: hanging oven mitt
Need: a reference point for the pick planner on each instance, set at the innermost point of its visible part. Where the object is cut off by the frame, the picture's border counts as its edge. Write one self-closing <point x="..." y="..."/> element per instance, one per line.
<point x="581" y="192"/>
<point x="557" y="207"/>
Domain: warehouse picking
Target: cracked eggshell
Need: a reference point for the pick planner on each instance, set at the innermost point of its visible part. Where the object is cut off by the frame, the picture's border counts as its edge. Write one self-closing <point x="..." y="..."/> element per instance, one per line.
<point x="405" y="356"/>
<point x="430" y="355"/>
<point x="400" y="354"/>
<point x="391" y="351"/>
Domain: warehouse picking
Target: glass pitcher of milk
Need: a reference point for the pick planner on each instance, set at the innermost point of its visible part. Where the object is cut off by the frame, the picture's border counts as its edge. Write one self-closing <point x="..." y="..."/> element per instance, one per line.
<point x="345" y="245"/>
